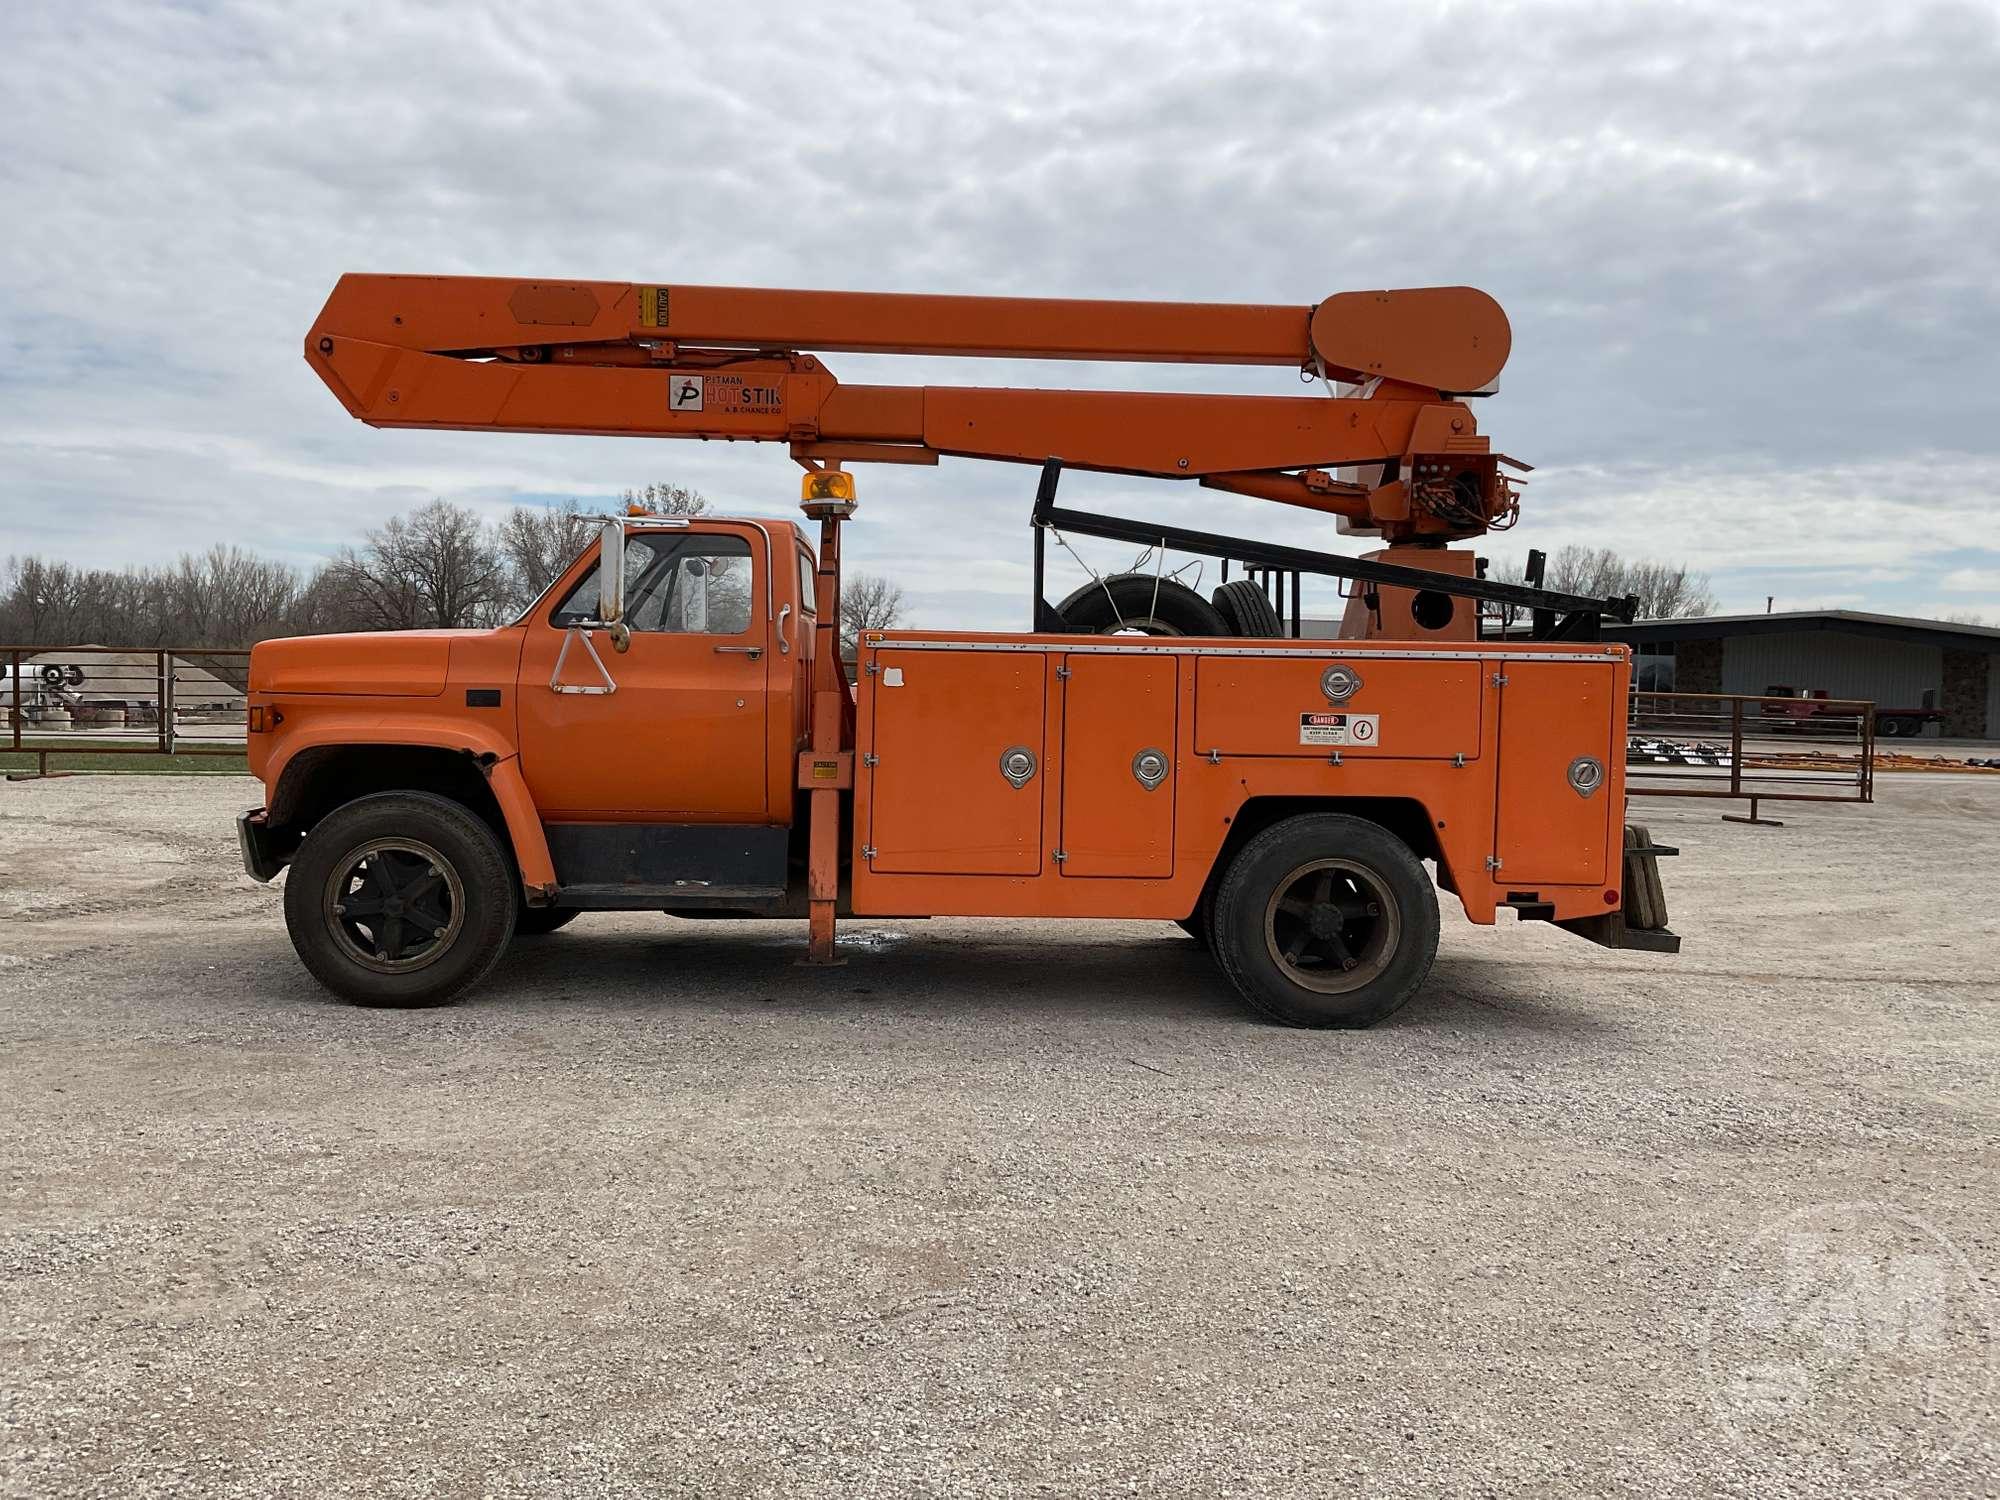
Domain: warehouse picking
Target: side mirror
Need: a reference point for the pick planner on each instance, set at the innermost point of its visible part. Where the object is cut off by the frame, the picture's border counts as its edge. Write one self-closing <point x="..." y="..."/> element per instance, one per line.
<point x="611" y="573"/>
<point x="694" y="594"/>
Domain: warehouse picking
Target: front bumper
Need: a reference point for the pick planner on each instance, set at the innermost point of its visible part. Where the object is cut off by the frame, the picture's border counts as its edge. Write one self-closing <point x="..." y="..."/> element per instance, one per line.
<point x="265" y="852"/>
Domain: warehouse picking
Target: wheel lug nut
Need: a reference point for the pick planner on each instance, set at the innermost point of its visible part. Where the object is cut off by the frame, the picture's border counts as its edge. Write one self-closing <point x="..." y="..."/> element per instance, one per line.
<point x="437" y="932"/>
<point x="1348" y="963"/>
<point x="1374" y="910"/>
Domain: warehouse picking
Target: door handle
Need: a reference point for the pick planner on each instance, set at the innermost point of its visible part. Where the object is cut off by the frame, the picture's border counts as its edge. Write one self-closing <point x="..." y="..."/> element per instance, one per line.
<point x="784" y="640"/>
<point x="750" y="651"/>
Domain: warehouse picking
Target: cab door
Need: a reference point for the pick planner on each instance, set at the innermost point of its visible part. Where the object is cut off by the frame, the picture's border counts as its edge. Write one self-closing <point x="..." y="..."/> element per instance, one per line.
<point x="681" y="736"/>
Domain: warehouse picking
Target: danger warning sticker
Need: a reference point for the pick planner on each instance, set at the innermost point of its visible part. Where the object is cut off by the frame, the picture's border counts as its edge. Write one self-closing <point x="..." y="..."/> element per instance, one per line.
<point x="1340" y="729"/>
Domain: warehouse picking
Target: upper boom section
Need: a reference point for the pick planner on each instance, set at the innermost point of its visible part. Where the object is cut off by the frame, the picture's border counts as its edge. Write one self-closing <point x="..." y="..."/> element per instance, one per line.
<point x="1448" y="338"/>
<point x="733" y="363"/>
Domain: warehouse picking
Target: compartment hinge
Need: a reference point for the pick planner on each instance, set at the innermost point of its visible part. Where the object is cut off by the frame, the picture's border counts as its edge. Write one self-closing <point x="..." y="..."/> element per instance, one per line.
<point x="1492" y="861"/>
<point x="1499" y="679"/>
<point x="1061" y="855"/>
<point x="867" y="851"/>
<point x="871" y="759"/>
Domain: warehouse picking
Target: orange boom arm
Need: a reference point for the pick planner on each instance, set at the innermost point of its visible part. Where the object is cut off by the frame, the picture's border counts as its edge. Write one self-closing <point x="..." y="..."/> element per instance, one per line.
<point x="725" y="363"/>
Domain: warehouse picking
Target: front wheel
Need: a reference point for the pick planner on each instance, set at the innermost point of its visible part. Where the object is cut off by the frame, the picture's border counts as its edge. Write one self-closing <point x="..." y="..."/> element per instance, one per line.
<point x="400" y="899"/>
<point x="1326" y="920"/>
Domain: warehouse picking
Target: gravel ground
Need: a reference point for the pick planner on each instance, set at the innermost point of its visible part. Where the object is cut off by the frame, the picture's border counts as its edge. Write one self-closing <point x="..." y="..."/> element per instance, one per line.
<point x="1006" y="1207"/>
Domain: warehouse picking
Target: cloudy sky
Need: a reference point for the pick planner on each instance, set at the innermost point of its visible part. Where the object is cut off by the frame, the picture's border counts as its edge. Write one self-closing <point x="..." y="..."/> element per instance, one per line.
<point x="1751" y="254"/>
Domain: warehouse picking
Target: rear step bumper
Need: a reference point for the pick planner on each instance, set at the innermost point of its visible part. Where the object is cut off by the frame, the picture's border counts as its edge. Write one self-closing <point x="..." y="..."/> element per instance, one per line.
<point x="1641" y="922"/>
<point x="1610" y="931"/>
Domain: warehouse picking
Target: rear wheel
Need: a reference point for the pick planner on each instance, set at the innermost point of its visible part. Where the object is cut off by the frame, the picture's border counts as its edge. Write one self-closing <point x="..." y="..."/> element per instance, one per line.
<point x="1326" y="920"/>
<point x="400" y="899"/>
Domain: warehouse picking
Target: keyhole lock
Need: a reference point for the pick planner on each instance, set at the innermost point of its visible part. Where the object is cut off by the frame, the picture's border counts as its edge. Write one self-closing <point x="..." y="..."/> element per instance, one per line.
<point x="1339" y="682"/>
<point x="1149" y="768"/>
<point x="1586" y="775"/>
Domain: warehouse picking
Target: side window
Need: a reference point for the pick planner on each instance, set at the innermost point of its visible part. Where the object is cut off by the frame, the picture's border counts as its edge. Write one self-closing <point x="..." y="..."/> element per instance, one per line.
<point x="808" y="584"/>
<point x="688" y="585"/>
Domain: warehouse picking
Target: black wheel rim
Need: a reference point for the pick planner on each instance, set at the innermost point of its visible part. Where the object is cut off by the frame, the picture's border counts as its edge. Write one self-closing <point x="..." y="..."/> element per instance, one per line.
<point x="1332" y="926"/>
<point x="394" y="905"/>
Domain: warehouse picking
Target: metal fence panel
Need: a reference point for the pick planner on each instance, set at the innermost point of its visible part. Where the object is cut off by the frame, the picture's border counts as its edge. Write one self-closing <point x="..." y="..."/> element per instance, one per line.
<point x="83" y="700"/>
<point x="1749" y="747"/>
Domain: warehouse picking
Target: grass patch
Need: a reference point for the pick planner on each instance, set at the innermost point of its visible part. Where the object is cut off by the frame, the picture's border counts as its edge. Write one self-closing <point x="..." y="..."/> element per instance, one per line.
<point x="69" y="755"/>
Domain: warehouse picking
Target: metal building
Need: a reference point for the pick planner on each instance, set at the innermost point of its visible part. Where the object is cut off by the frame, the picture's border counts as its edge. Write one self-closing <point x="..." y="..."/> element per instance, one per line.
<point x="1891" y="661"/>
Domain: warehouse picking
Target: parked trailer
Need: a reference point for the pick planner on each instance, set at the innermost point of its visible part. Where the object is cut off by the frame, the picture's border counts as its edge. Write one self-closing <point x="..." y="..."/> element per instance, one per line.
<point x="1803" y="706"/>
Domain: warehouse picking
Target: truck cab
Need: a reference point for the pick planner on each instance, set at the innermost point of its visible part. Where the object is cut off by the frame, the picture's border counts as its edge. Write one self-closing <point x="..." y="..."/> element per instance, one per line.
<point x="658" y="773"/>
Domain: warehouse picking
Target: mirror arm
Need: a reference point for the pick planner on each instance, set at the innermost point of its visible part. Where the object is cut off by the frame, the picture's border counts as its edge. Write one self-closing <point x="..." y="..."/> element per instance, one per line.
<point x="580" y="631"/>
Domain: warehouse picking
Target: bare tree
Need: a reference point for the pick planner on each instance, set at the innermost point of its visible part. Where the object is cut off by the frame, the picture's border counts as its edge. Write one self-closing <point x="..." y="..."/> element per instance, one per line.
<point x="1666" y="591"/>
<point x="437" y="570"/>
<point x="669" y="500"/>
<point x="438" y="566"/>
<point x="42" y="602"/>
<point x="537" y="543"/>
<point x="868" y="601"/>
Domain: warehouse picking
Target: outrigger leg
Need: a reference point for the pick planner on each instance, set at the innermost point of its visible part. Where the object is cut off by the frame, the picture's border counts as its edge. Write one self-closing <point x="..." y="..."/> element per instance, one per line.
<point x="827" y="768"/>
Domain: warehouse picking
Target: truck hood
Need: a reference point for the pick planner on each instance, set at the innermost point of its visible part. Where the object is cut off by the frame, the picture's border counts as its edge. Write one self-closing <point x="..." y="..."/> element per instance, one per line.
<point x="376" y="664"/>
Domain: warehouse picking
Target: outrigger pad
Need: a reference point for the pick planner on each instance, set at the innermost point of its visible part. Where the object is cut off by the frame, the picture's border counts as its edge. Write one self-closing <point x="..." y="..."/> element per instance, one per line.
<point x="1645" y="897"/>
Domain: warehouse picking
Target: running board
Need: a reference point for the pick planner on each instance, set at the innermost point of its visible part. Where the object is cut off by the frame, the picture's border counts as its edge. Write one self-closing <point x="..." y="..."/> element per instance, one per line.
<point x="681" y="894"/>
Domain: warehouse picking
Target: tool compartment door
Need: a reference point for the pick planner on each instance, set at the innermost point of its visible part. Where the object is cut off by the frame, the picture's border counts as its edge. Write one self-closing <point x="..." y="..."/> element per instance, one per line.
<point x="940" y="802"/>
<point x="1117" y="709"/>
<point x="1406" y="707"/>
<point x="1551" y="714"/>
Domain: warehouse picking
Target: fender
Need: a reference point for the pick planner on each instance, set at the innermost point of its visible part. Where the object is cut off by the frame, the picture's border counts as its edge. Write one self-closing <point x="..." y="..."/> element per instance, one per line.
<point x="329" y="728"/>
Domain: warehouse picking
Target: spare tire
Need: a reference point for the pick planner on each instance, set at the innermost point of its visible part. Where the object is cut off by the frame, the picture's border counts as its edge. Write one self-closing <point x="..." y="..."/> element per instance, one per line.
<point x="1246" y="609"/>
<point x="1140" y="604"/>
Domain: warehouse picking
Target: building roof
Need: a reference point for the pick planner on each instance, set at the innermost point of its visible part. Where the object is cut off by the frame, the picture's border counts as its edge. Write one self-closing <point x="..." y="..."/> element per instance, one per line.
<point x="1943" y="633"/>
